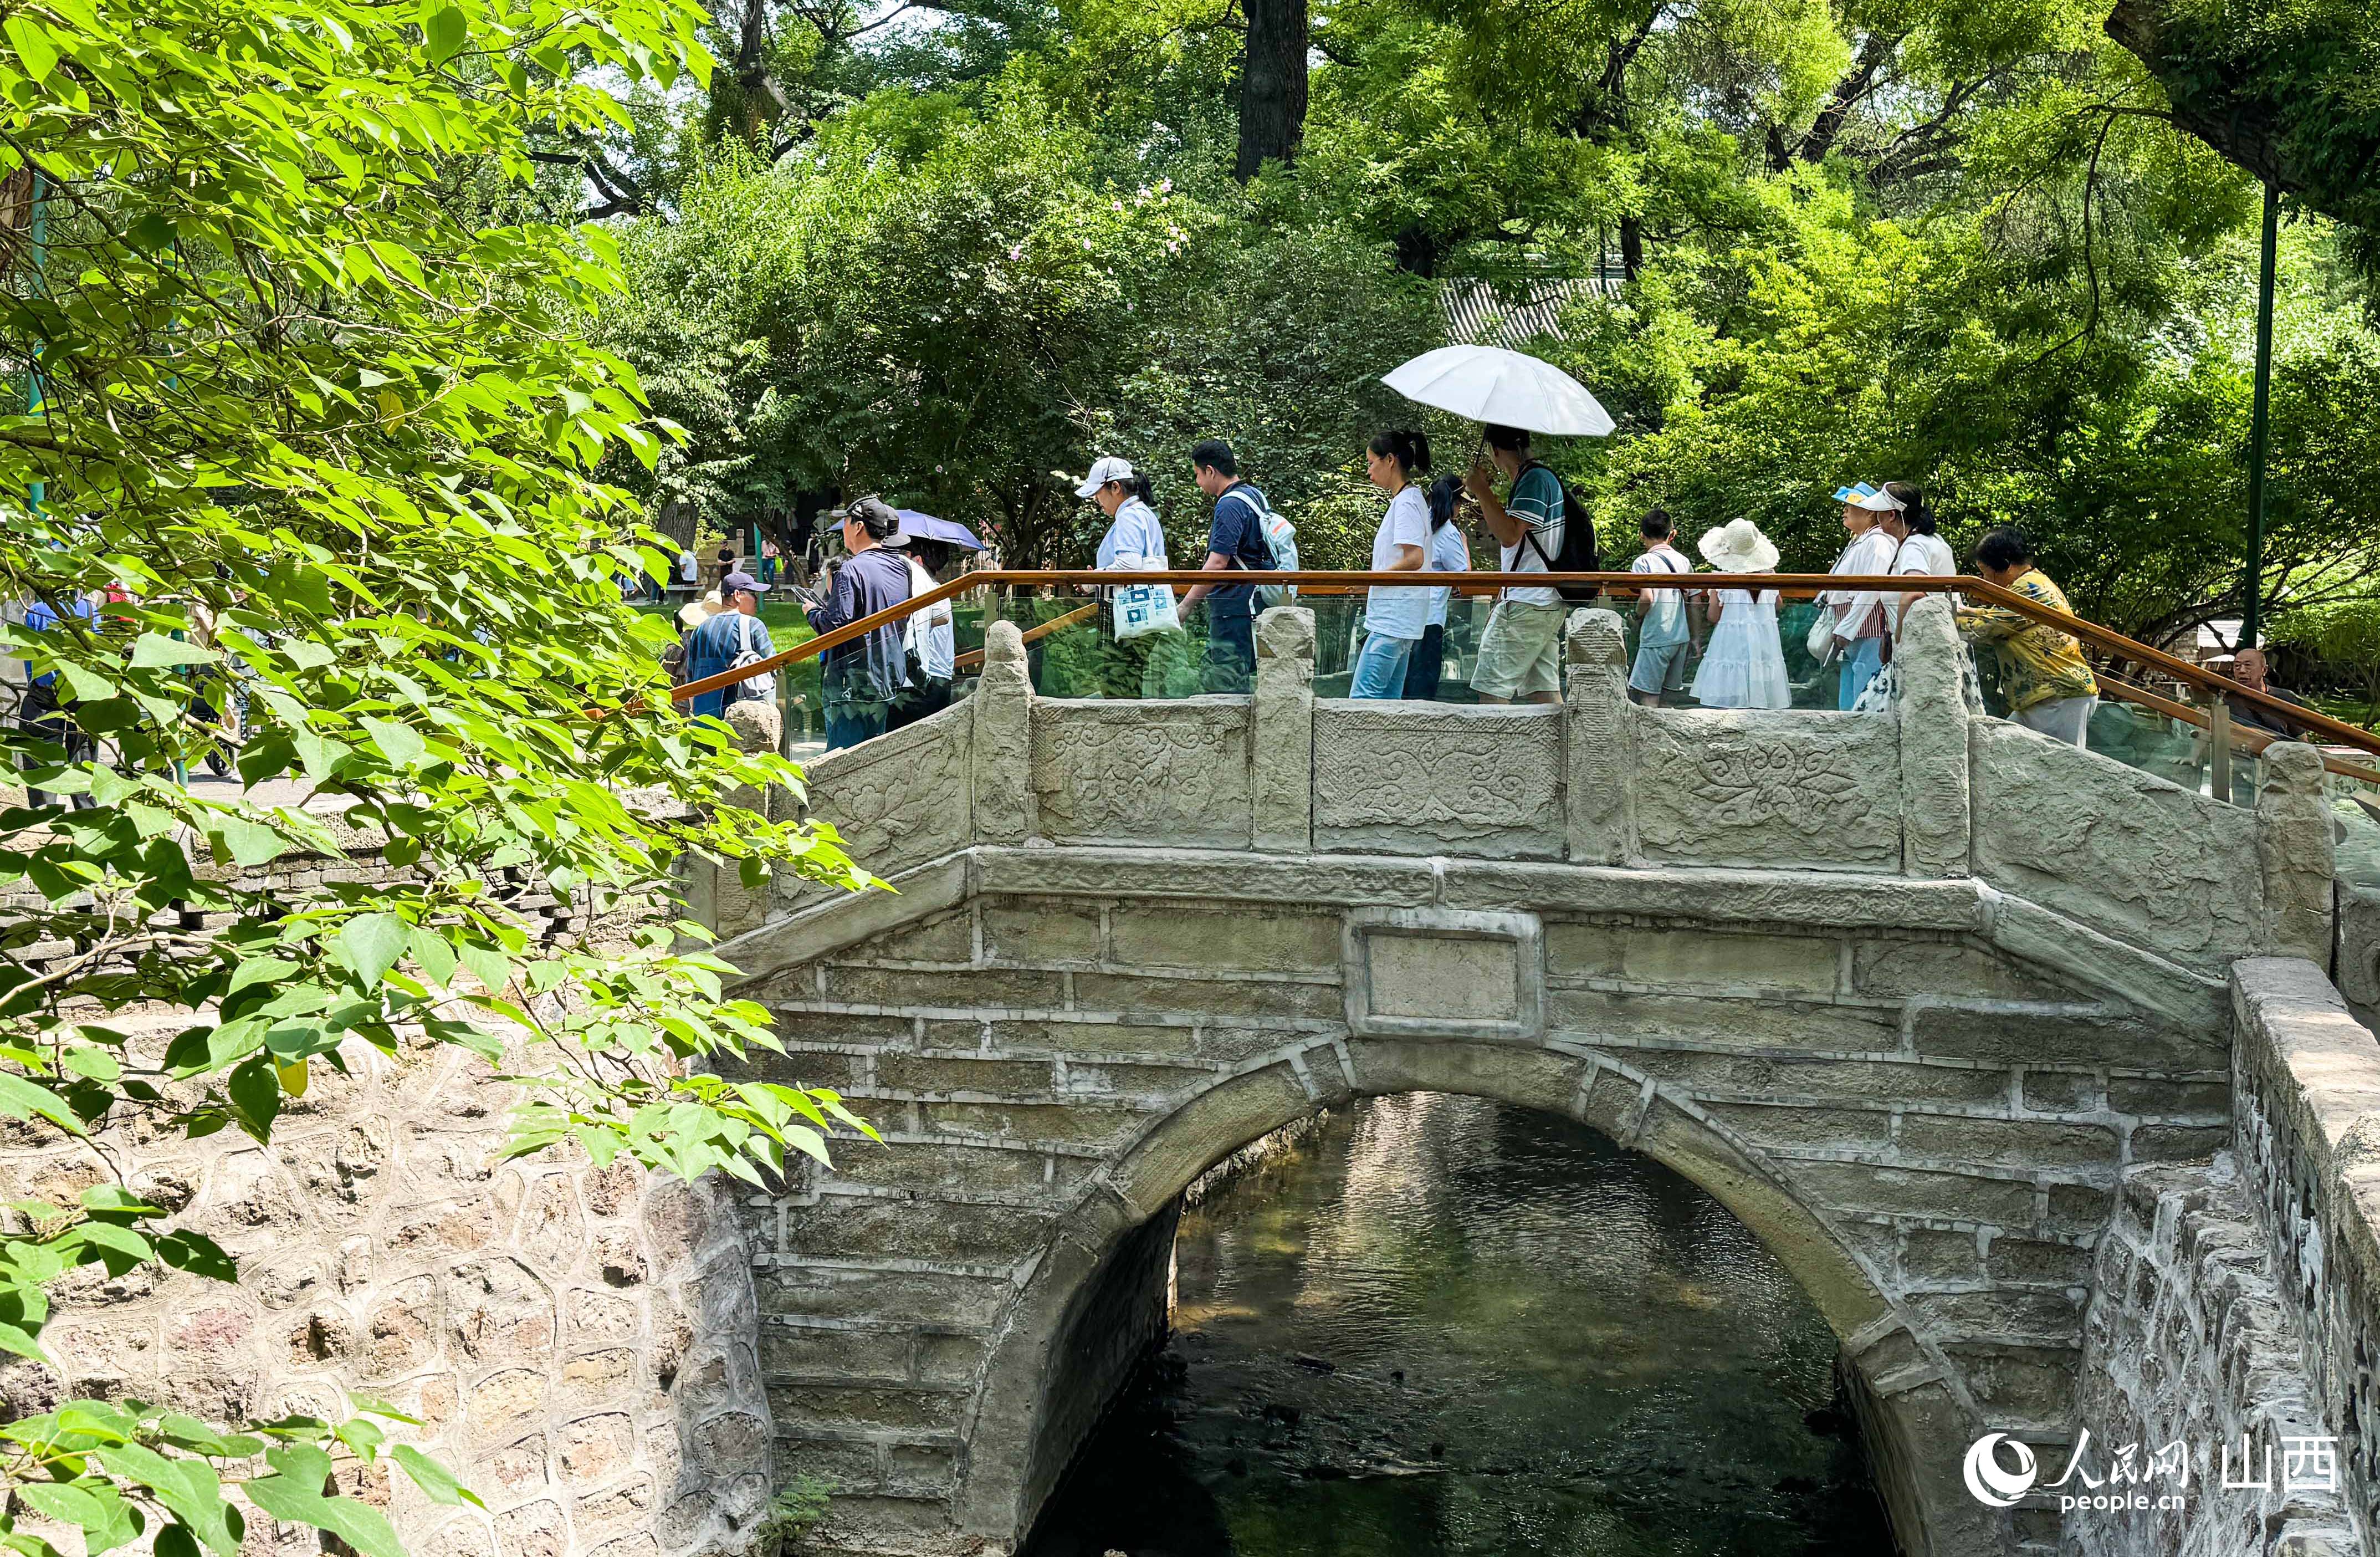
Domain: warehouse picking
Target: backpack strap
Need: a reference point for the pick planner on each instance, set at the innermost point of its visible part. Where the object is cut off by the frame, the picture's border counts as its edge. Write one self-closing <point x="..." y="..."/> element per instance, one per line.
<point x="1247" y="493"/>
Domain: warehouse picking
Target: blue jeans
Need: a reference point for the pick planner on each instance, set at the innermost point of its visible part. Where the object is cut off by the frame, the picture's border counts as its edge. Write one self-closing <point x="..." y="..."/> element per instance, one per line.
<point x="849" y="723"/>
<point x="1380" y="667"/>
<point x="1231" y="649"/>
<point x="1860" y="661"/>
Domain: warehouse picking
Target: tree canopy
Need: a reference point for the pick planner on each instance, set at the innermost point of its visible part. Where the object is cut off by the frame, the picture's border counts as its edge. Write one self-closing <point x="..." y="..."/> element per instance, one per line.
<point x="1789" y="243"/>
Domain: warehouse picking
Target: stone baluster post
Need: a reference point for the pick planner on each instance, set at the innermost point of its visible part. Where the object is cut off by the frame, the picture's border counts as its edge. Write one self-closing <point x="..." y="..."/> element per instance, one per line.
<point x="1001" y="757"/>
<point x="1282" y="732"/>
<point x="716" y="896"/>
<point x="2293" y="845"/>
<point x="1937" y="807"/>
<point x="1600" y="743"/>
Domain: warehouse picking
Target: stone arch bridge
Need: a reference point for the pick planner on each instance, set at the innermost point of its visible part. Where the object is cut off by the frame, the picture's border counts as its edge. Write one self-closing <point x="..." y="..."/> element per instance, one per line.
<point x="1921" y="999"/>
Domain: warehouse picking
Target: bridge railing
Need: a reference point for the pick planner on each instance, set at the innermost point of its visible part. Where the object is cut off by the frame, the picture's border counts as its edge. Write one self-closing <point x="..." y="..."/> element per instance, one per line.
<point x="2159" y="713"/>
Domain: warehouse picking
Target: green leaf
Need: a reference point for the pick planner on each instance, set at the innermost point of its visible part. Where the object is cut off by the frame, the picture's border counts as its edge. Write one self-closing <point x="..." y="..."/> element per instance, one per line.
<point x="255" y="1089"/>
<point x="401" y="743"/>
<point x="186" y="1487"/>
<point x="294" y="1494"/>
<point x="247" y="842"/>
<point x="20" y="1099"/>
<point x="369" y="944"/>
<point x="433" y="954"/>
<point x="196" y="1253"/>
<point x="437" y="1483"/>
<point x="33" y="47"/>
<point x="444" y="34"/>
<point x="155" y="651"/>
<point x="96" y="1063"/>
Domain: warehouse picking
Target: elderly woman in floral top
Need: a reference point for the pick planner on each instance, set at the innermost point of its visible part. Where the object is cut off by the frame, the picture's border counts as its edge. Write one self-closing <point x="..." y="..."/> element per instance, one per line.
<point x="2048" y="685"/>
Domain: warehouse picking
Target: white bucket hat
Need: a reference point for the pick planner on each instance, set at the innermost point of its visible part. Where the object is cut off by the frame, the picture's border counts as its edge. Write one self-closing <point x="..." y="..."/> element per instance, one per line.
<point x="693" y="612"/>
<point x="1108" y="468"/>
<point x="1738" y="546"/>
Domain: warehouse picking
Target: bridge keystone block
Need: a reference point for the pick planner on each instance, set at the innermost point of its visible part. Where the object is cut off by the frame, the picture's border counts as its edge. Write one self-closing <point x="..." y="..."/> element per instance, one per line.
<point x="1445" y="970"/>
<point x="1599" y="744"/>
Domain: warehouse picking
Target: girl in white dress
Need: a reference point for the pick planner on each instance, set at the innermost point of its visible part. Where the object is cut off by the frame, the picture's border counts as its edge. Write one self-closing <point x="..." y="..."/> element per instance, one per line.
<point x="1745" y="666"/>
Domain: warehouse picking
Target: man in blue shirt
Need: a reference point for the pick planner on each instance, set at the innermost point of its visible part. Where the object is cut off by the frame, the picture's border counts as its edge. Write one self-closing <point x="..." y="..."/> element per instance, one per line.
<point x="718" y="643"/>
<point x="1236" y="541"/>
<point x="860" y="679"/>
<point x="39" y="714"/>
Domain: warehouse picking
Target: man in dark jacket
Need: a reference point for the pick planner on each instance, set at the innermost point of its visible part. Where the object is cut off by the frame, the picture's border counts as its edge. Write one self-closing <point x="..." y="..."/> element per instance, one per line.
<point x="861" y="677"/>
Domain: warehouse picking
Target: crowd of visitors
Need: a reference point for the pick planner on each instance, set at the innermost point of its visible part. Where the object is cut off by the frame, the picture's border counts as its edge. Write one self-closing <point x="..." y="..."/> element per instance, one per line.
<point x="1699" y="641"/>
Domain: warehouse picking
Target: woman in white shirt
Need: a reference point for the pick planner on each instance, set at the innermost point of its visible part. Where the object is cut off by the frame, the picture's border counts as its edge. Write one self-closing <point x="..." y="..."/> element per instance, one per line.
<point x="1449" y="551"/>
<point x="1395" y="616"/>
<point x="1134" y="542"/>
<point x="1859" y="615"/>
<point x="1923" y="552"/>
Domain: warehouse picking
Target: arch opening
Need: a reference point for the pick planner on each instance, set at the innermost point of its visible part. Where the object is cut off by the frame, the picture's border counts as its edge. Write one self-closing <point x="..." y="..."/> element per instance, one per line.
<point x="1436" y="1323"/>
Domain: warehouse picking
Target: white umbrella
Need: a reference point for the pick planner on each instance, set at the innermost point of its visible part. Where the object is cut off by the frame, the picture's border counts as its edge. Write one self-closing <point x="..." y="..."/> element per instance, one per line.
<point x="1489" y="383"/>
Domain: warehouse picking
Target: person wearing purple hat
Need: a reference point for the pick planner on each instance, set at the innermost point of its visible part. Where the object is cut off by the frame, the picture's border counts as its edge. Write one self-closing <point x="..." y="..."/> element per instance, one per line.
<point x="737" y="631"/>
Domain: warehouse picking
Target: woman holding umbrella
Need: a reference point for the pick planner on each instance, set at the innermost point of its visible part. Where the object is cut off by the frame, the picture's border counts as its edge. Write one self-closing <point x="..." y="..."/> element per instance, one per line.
<point x="1514" y="394"/>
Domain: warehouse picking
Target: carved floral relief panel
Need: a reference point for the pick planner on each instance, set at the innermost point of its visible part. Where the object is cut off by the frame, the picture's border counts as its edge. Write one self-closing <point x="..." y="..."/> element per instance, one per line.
<point x="2121" y="850"/>
<point x="1420" y="778"/>
<point x="1784" y="787"/>
<point x="1143" y="773"/>
<point x="901" y="799"/>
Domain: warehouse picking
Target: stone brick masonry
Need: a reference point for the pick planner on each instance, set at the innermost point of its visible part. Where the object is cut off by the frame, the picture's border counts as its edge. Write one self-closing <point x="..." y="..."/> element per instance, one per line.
<point x="577" y="1343"/>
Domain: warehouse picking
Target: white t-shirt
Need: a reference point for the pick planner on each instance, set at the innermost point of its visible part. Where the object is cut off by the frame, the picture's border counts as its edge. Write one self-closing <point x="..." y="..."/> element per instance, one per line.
<point x="930" y="630"/>
<point x="1449" y="551"/>
<point x="1927" y="554"/>
<point x="685" y="568"/>
<point x="1391" y="609"/>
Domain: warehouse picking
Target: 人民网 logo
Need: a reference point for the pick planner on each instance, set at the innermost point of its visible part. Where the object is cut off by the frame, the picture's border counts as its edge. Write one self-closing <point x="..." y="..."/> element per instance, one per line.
<point x="1992" y="1485"/>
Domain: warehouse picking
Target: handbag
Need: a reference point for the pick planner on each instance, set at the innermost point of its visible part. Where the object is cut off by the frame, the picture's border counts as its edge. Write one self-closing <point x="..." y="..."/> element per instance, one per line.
<point x="1821" y="642"/>
<point x="1142" y="609"/>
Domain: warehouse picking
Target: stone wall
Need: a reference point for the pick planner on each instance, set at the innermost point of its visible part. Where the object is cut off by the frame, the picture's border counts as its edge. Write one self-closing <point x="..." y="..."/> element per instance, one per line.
<point x="2308" y="1109"/>
<point x="1928" y="1127"/>
<point x="579" y="1345"/>
<point x="1811" y="961"/>
<point x="2191" y="1341"/>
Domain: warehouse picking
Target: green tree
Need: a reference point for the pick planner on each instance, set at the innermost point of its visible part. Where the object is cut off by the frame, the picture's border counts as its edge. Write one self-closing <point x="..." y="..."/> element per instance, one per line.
<point x="315" y="425"/>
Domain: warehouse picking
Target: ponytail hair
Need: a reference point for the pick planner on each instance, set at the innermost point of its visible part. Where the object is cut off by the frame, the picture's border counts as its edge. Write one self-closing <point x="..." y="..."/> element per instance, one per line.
<point x="1915" y="511"/>
<point x="1409" y="450"/>
<point x="1137" y="485"/>
<point x="1443" y="492"/>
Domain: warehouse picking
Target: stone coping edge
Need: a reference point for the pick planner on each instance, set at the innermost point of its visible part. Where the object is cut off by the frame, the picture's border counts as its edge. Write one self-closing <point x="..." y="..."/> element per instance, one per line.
<point x="1819" y="900"/>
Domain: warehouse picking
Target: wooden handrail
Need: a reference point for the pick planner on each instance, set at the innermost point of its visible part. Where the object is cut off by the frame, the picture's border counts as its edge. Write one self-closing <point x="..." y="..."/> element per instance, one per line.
<point x="2254" y="741"/>
<point x="2336" y="732"/>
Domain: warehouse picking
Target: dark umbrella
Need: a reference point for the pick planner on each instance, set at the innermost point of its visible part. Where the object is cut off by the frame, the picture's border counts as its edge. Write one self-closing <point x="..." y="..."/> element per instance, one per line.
<point x="925" y="526"/>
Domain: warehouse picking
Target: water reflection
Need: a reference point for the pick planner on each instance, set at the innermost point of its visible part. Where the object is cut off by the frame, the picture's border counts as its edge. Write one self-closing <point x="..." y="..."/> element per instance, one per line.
<point x="1443" y="1326"/>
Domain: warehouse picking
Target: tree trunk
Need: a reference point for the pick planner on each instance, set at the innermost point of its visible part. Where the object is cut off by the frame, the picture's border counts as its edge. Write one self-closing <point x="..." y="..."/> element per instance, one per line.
<point x="1272" y="85"/>
<point x="2239" y="128"/>
<point x="1631" y="246"/>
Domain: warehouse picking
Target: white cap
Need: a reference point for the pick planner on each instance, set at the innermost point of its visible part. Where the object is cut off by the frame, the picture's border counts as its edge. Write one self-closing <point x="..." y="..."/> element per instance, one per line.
<point x="1108" y="468"/>
<point x="1879" y="503"/>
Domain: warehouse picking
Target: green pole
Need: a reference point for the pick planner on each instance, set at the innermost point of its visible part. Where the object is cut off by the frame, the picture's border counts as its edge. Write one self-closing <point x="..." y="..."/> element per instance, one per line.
<point x="2260" y="422"/>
